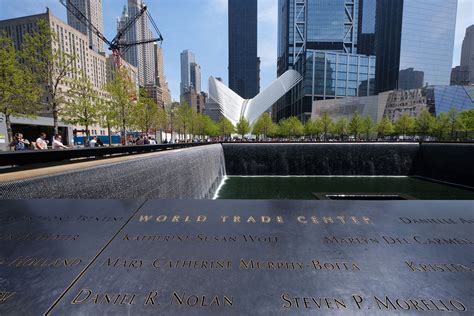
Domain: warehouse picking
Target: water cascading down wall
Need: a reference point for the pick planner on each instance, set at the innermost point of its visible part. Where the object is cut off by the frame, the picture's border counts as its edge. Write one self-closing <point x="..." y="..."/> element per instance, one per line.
<point x="195" y="173"/>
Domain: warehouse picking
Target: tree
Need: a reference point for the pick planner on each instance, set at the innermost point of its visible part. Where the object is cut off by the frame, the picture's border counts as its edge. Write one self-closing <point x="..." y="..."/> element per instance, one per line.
<point x="313" y="127"/>
<point x="356" y="124"/>
<point x="170" y="116"/>
<point x="108" y="115"/>
<point x="264" y="126"/>
<point x="80" y="106"/>
<point x="327" y="124"/>
<point x="19" y="95"/>
<point x="385" y="127"/>
<point x="341" y="127"/>
<point x="226" y="128"/>
<point x="405" y="124"/>
<point x="291" y="126"/>
<point x="184" y="116"/>
<point x="210" y="127"/>
<point x="425" y="122"/>
<point x="367" y="126"/>
<point x="455" y="122"/>
<point x="146" y="115"/>
<point x="467" y="118"/>
<point x="121" y="89"/>
<point x="243" y="126"/>
<point x="441" y="127"/>
<point x="51" y="65"/>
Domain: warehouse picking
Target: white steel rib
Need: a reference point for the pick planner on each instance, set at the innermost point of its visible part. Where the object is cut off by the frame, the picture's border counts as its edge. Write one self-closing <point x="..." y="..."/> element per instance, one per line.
<point x="233" y="107"/>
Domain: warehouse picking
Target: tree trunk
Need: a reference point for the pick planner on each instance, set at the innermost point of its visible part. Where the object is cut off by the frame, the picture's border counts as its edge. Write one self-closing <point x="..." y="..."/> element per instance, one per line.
<point x="110" y="134"/>
<point x="86" y="142"/>
<point x="9" y="129"/>
<point x="55" y="118"/>
<point x="124" y="132"/>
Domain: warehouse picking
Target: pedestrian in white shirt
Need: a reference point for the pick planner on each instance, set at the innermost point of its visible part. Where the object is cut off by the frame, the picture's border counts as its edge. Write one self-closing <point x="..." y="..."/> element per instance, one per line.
<point x="41" y="142"/>
<point x="57" y="144"/>
<point x="93" y="142"/>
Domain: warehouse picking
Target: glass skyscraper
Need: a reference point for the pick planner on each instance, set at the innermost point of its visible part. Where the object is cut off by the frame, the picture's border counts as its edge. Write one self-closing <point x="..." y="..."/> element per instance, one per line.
<point x="414" y="43"/>
<point x="320" y="39"/>
<point x="244" y="65"/>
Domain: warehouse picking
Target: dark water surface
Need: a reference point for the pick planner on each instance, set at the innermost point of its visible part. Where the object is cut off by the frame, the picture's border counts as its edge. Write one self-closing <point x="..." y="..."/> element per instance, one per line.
<point x="315" y="187"/>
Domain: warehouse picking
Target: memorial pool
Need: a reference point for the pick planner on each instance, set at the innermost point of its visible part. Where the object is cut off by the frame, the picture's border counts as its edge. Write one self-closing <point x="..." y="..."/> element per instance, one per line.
<point x="339" y="187"/>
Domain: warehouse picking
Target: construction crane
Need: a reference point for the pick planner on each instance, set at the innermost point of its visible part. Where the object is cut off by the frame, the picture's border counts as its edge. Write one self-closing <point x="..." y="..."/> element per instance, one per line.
<point x="118" y="43"/>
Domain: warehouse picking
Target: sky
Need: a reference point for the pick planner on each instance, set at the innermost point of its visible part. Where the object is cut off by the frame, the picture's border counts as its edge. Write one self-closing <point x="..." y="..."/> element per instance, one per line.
<point x="201" y="26"/>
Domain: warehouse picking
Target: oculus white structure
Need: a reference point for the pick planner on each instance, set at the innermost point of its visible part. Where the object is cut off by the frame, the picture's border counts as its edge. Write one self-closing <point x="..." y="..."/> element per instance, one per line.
<point x="233" y="107"/>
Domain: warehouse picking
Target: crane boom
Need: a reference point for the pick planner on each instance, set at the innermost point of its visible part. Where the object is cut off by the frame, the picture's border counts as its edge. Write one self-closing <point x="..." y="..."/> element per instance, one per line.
<point x="81" y="17"/>
<point x="116" y="44"/>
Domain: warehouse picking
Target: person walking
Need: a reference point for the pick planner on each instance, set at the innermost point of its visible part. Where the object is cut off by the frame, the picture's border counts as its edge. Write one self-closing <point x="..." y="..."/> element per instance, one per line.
<point x="93" y="141"/>
<point x="19" y="143"/>
<point x="57" y="144"/>
<point x="41" y="142"/>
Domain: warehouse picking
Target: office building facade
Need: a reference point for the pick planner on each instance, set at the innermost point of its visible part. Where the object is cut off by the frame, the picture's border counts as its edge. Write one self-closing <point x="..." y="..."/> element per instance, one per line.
<point x="190" y="73"/>
<point x="467" y="53"/>
<point x="140" y="56"/>
<point x="244" y="65"/>
<point x="319" y="39"/>
<point x="92" y="9"/>
<point x="70" y="41"/>
<point x="414" y="43"/>
<point x="160" y="74"/>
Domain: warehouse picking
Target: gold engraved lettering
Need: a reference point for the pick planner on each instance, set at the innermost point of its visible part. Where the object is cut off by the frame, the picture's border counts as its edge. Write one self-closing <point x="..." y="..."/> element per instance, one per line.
<point x="80" y="298"/>
<point x="358" y="300"/>
<point x="86" y="296"/>
<point x="450" y="305"/>
<point x="438" y="267"/>
<point x="301" y="219"/>
<point x="145" y="218"/>
<point x="312" y="302"/>
<point x="193" y="300"/>
<point x="328" y="220"/>
<point x="150" y="299"/>
<point x="161" y="218"/>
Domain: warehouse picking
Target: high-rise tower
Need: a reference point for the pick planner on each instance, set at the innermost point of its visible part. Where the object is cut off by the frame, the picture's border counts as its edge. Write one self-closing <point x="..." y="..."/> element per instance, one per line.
<point x="140" y="56"/>
<point x="320" y="39"/>
<point x="244" y="65"/>
<point x="190" y="73"/>
<point x="160" y="74"/>
<point x="414" y="42"/>
<point x="467" y="53"/>
<point x="92" y="9"/>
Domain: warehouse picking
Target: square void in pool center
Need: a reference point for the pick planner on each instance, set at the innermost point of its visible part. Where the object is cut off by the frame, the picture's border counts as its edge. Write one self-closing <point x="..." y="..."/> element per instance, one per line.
<point x="339" y="188"/>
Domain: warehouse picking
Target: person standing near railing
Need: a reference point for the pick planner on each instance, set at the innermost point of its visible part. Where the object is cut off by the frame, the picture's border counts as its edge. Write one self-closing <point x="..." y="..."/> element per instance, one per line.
<point x="41" y="142"/>
<point x="19" y="143"/>
<point x="57" y="144"/>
